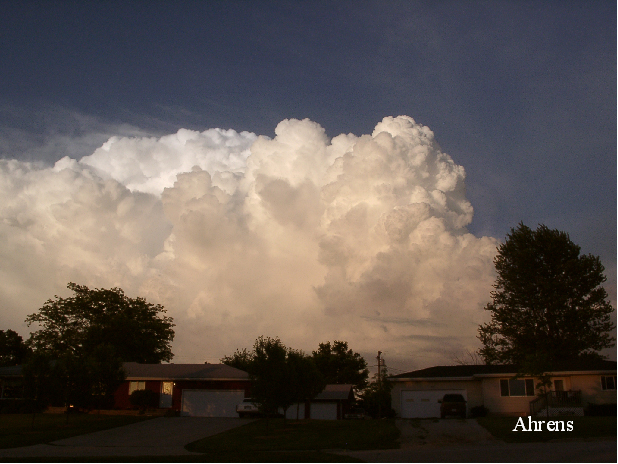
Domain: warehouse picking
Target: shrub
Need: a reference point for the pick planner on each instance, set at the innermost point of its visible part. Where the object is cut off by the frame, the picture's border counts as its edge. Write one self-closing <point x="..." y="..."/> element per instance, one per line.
<point x="19" y="406"/>
<point x="144" y="399"/>
<point x="479" y="411"/>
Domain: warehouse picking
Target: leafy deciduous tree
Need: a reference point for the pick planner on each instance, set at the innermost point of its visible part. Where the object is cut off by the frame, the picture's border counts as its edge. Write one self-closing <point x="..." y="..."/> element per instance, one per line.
<point x="134" y="327"/>
<point x="376" y="397"/>
<point x="280" y="376"/>
<point x="83" y="341"/>
<point x="548" y="305"/>
<point x="13" y="350"/>
<point x="242" y="360"/>
<point x="339" y="364"/>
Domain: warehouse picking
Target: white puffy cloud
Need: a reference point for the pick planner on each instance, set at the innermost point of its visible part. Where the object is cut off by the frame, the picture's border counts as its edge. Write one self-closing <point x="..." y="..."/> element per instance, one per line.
<point x="65" y="224"/>
<point x="356" y="238"/>
<point x="149" y="164"/>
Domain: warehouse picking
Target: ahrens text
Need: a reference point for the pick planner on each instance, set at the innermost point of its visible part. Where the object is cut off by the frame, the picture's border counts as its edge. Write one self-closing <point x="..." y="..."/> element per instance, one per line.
<point x="537" y="425"/>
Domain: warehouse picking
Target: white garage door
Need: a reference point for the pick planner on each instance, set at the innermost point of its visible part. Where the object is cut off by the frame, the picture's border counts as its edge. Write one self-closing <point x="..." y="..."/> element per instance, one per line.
<point x="424" y="403"/>
<point x="324" y="411"/>
<point x="211" y="403"/>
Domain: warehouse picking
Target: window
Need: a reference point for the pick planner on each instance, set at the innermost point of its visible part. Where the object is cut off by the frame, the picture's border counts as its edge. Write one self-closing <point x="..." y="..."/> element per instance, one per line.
<point x="141" y="385"/>
<point x="608" y="382"/>
<point x="516" y="387"/>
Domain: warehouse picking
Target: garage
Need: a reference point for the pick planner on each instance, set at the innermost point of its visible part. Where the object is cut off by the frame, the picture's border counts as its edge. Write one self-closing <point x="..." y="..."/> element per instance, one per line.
<point x="323" y="411"/>
<point x="424" y="403"/>
<point x="211" y="403"/>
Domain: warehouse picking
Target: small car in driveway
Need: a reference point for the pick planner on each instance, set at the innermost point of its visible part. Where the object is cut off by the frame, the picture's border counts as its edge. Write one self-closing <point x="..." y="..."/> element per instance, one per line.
<point x="247" y="409"/>
<point x="453" y="404"/>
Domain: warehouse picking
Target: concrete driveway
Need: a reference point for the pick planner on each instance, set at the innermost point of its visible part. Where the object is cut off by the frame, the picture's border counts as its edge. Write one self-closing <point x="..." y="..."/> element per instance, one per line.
<point x="442" y="432"/>
<point x="163" y="436"/>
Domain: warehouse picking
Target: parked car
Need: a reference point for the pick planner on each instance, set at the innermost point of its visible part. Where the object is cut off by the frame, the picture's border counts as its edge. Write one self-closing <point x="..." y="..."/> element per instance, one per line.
<point x="247" y="408"/>
<point x="453" y="404"/>
<point x="355" y="413"/>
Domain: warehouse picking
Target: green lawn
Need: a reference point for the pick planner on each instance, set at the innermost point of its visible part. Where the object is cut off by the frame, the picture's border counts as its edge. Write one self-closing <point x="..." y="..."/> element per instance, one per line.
<point x="306" y="435"/>
<point x="28" y="429"/>
<point x="583" y="428"/>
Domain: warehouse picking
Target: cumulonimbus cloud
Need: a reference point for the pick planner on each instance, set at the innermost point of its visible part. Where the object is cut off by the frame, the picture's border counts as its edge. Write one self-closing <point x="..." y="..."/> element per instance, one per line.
<point x="359" y="238"/>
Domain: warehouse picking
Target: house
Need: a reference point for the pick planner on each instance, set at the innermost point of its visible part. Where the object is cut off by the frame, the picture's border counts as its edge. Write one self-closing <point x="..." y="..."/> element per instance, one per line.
<point x="206" y="390"/>
<point x="330" y="404"/>
<point x="11" y="382"/>
<point x="496" y="387"/>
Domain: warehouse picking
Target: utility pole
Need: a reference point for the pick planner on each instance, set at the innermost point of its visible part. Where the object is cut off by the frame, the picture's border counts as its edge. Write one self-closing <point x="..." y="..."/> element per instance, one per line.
<point x="379" y="369"/>
<point x="379" y="385"/>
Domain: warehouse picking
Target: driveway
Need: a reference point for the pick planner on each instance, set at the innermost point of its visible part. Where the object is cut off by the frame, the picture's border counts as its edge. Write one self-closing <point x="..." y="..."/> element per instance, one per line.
<point x="442" y="432"/>
<point x="163" y="436"/>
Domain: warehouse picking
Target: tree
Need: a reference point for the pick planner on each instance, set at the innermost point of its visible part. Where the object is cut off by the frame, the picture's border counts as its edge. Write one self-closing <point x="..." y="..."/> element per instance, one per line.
<point x="467" y="358"/>
<point x="242" y="360"/>
<point x="306" y="381"/>
<point x="376" y="397"/>
<point x="13" y="350"/>
<point x="83" y="341"/>
<point x="548" y="306"/>
<point x="339" y="364"/>
<point x="280" y="376"/>
<point x="132" y="326"/>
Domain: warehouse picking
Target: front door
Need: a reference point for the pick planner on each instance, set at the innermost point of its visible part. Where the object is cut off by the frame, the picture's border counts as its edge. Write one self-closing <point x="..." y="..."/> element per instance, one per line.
<point x="559" y="385"/>
<point x="165" y="400"/>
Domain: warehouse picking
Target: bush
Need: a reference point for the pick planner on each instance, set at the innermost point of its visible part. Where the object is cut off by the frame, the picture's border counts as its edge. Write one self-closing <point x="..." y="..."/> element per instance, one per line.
<point x="19" y="406"/>
<point x="144" y="399"/>
<point x="479" y="411"/>
<point x="601" y="409"/>
<point x="100" y="402"/>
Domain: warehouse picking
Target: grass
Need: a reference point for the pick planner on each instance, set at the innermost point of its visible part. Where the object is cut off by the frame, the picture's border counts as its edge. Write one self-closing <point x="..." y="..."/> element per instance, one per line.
<point x="27" y="429"/>
<point x="583" y="428"/>
<point x="260" y="456"/>
<point x="306" y="435"/>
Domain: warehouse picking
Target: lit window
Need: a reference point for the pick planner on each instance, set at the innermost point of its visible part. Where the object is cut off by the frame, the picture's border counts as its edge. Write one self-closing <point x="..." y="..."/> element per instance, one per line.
<point x="608" y="382"/>
<point x="516" y="387"/>
<point x="141" y="385"/>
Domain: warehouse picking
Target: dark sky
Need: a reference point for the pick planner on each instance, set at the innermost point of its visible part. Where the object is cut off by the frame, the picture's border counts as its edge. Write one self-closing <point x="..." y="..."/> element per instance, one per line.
<point x="522" y="94"/>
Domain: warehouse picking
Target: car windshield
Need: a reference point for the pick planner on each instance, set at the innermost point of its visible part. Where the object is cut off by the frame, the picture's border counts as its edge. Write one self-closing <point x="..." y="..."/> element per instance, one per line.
<point x="454" y="399"/>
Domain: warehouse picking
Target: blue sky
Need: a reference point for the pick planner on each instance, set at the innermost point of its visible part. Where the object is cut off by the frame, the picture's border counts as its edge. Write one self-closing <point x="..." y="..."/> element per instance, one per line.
<point x="522" y="94"/>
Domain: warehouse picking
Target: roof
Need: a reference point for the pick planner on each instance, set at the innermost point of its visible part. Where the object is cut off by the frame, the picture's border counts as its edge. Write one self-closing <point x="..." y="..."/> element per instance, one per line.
<point x="471" y="371"/>
<point x="136" y="371"/>
<point x="335" y="392"/>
